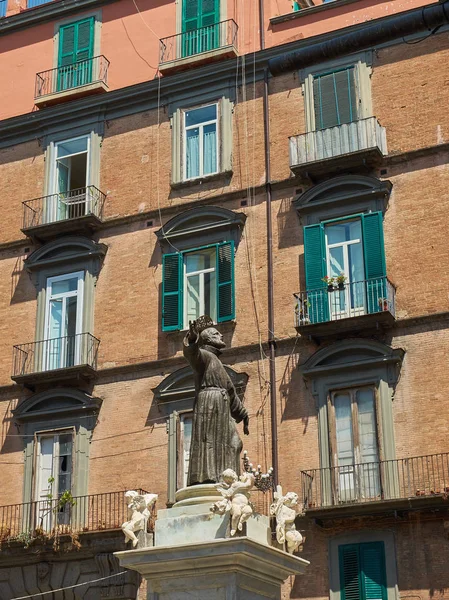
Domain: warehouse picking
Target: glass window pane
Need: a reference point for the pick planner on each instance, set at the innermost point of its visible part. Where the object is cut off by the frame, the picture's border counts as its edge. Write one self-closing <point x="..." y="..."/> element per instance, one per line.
<point x="71" y="147"/>
<point x="336" y="262"/>
<point x="65" y="444"/>
<point x="193" y="153"/>
<point x="193" y="297"/>
<point x="210" y="149"/>
<point x="55" y="326"/>
<point x="210" y="299"/>
<point x="71" y="313"/>
<point x="64" y="285"/>
<point x="186" y="421"/>
<point x="343" y="425"/>
<point x="201" y="115"/>
<point x="367" y="425"/>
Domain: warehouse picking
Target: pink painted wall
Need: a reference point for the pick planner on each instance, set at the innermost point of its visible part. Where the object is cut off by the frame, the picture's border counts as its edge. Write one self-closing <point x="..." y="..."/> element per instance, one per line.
<point x="130" y="39"/>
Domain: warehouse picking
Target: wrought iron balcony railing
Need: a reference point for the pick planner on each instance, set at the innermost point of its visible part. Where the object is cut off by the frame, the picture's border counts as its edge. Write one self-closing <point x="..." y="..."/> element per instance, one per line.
<point x="59" y="207"/>
<point x="67" y="77"/>
<point x="56" y="353"/>
<point x="351" y="299"/>
<point x="96" y="512"/>
<point x="349" y="138"/>
<point x="205" y="39"/>
<point x="418" y="477"/>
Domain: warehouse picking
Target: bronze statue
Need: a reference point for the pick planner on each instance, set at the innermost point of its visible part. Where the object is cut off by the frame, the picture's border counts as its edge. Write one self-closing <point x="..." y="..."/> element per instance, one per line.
<point x="216" y="444"/>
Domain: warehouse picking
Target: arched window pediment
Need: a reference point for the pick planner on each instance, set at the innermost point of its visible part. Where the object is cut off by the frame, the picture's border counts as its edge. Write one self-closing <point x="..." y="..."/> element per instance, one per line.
<point x="351" y="354"/>
<point x="64" y="250"/>
<point x="200" y="225"/>
<point x="56" y="402"/>
<point x="340" y="195"/>
<point x="179" y="385"/>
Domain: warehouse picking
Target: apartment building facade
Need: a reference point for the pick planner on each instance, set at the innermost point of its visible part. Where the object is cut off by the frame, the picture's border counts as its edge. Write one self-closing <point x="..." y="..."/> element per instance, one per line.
<point x="152" y="171"/>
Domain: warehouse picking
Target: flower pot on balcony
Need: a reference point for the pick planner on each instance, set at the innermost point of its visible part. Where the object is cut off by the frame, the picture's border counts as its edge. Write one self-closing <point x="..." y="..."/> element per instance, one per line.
<point x="341" y="285"/>
<point x="330" y="288"/>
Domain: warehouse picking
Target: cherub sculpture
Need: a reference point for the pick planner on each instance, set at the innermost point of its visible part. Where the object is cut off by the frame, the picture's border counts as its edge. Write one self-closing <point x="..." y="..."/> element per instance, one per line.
<point x="235" y="491"/>
<point x="138" y="514"/>
<point x="282" y="509"/>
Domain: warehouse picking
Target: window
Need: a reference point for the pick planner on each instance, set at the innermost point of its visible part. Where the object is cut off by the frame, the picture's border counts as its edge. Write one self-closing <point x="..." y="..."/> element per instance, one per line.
<point x="354" y="444"/>
<point x="200" y="141"/>
<point x="196" y="282"/>
<point x="334" y="98"/>
<point x="185" y="430"/>
<point x="69" y="178"/>
<point x="200" y="27"/>
<point x="362" y="571"/>
<point x="63" y="321"/>
<point x="352" y="248"/>
<point x="3" y="7"/>
<point x="53" y="476"/>
<point x="76" y="50"/>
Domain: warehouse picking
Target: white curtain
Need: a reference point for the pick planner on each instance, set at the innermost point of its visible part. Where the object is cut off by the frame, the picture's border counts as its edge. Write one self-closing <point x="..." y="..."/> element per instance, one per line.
<point x="210" y="149"/>
<point x="193" y="154"/>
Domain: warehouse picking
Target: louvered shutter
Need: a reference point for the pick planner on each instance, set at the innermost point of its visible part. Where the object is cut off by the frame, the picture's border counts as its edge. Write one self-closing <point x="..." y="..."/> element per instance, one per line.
<point x="350" y="576"/>
<point x="190" y="25"/>
<point x="67" y="44"/>
<point x="171" y="291"/>
<point x="315" y="266"/>
<point x="209" y="23"/>
<point x="373" y="577"/>
<point x="334" y="98"/>
<point x="76" y="43"/>
<point x="225" y="282"/>
<point x="374" y="258"/>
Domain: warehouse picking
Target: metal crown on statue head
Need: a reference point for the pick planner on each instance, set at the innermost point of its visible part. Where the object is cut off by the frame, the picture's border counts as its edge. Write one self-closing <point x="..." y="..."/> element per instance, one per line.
<point x="203" y="322"/>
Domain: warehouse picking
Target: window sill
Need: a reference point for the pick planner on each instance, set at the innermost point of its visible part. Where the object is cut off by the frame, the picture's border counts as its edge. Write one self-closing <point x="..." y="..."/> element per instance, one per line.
<point x="304" y="12"/>
<point x="222" y="175"/>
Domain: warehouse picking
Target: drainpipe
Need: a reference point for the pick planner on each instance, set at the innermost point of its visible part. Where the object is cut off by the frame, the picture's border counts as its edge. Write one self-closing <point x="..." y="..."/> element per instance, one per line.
<point x="271" y="338"/>
<point x="427" y="19"/>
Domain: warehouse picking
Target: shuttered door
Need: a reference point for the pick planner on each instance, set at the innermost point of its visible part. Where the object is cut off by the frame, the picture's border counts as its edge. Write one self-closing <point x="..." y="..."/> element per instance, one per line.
<point x="225" y="282"/>
<point x="362" y="571"/>
<point x="315" y="266"/>
<point x="172" y="291"/>
<point x="200" y="26"/>
<point x="334" y="98"/>
<point x="76" y="44"/>
<point x="374" y="258"/>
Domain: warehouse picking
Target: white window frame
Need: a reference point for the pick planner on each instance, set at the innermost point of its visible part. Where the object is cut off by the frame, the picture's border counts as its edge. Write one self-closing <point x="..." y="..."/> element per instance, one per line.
<point x="201" y="273"/>
<point x="79" y="293"/>
<point x="200" y="126"/>
<point x="53" y="176"/>
<point x="40" y="485"/>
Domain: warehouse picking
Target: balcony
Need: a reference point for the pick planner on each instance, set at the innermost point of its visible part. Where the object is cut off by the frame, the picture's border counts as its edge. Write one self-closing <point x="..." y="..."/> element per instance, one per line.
<point x="45" y="518"/>
<point x="331" y="150"/>
<point x="417" y="483"/>
<point x="199" y="46"/>
<point x="67" y="359"/>
<point x="76" y="211"/>
<point x="68" y="82"/>
<point x="352" y="306"/>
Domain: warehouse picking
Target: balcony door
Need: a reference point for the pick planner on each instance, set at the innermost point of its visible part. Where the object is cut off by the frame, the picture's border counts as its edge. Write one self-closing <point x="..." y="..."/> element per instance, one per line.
<point x="76" y="50"/>
<point x="70" y="178"/>
<point x="63" y="321"/>
<point x="200" y="26"/>
<point x="53" y="478"/>
<point x="354" y="445"/>
<point x="344" y="256"/>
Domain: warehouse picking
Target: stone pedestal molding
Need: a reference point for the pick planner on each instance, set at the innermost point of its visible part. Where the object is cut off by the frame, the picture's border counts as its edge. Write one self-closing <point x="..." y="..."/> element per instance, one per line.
<point x="222" y="569"/>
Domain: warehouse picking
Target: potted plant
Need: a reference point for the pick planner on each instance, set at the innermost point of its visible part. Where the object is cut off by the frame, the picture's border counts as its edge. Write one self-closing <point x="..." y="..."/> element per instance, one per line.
<point x="383" y="304"/>
<point x="341" y="281"/>
<point x="304" y="312"/>
<point x="329" y="281"/>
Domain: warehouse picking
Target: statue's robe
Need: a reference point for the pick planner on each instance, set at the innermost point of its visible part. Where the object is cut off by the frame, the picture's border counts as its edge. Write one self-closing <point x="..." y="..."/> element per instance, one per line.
<point x="215" y="444"/>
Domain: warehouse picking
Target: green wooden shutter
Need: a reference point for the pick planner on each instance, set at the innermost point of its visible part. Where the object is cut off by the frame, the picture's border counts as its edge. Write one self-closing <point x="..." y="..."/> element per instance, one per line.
<point x="198" y="14"/>
<point x="334" y="98"/>
<point x="373" y="576"/>
<point x="374" y="258"/>
<point x="315" y="266"/>
<point x="225" y="282"/>
<point x="76" y="43"/>
<point x="172" y="307"/>
<point x="350" y="579"/>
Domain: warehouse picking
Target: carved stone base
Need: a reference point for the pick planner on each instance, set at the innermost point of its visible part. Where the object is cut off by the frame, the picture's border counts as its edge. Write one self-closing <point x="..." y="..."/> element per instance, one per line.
<point x="215" y="570"/>
<point x="205" y="493"/>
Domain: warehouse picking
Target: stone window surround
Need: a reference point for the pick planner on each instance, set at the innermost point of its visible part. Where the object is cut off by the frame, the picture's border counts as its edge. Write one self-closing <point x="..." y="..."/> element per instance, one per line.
<point x="354" y="363"/>
<point x="55" y="410"/>
<point x="60" y="257"/>
<point x="175" y="395"/>
<point x="363" y="68"/>
<point x="97" y="14"/>
<point x="225" y="110"/>
<point x="361" y="537"/>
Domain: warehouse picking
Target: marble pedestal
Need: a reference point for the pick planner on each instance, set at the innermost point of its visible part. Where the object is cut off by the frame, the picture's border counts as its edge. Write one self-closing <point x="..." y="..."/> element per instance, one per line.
<point x="221" y="569"/>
